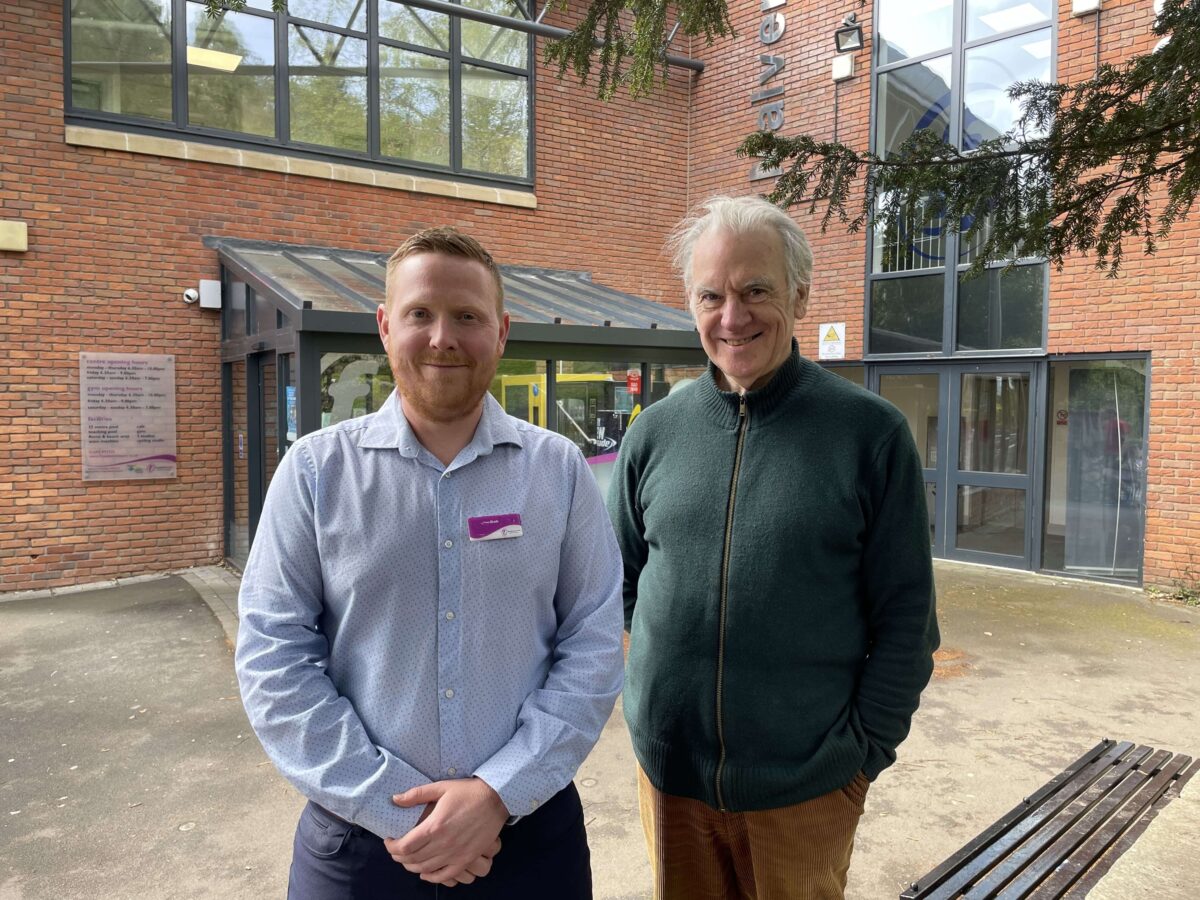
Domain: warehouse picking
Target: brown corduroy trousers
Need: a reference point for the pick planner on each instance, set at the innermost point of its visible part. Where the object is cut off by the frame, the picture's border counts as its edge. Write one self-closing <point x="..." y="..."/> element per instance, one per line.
<point x="799" y="852"/>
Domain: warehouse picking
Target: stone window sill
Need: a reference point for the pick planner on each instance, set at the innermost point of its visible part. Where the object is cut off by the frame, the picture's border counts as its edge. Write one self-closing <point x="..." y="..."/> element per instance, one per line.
<point x="103" y="138"/>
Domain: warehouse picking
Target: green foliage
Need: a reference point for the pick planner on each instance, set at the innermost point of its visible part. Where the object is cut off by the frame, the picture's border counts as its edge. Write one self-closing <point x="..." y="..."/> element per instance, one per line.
<point x="1087" y="168"/>
<point x="631" y="36"/>
<point x="216" y="7"/>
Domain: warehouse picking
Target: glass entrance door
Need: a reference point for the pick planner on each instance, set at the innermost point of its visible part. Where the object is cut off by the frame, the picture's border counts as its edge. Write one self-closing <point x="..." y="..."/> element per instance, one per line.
<point x="988" y="495"/>
<point x="920" y="394"/>
<point x="974" y="427"/>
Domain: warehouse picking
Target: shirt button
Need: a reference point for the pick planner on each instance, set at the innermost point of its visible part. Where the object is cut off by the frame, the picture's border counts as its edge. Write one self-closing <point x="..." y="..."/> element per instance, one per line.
<point x="450" y="615"/>
<point x="452" y="771"/>
<point x="449" y="693"/>
<point x="448" y="544"/>
<point x="445" y="474"/>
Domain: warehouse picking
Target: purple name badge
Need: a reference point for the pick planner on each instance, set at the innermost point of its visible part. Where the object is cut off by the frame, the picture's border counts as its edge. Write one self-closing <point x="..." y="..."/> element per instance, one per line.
<point x="493" y="528"/>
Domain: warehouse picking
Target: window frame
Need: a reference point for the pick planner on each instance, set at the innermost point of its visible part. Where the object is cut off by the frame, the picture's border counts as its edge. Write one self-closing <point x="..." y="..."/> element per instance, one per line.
<point x="282" y="143"/>
<point x="950" y="271"/>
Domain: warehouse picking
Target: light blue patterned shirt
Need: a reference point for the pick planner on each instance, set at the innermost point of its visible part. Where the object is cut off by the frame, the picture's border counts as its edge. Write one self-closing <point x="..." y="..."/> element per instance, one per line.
<point x="381" y="648"/>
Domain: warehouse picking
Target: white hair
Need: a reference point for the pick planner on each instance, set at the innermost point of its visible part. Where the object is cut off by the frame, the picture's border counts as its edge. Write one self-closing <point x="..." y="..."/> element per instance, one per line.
<point x="740" y="215"/>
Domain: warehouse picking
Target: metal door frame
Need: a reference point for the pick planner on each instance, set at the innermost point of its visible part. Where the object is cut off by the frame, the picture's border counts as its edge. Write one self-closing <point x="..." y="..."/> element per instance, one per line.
<point x="1030" y="482"/>
<point x="946" y="477"/>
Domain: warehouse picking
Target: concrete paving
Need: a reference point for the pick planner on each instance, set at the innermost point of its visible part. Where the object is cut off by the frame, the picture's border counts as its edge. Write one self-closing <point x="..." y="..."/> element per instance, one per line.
<point x="127" y="768"/>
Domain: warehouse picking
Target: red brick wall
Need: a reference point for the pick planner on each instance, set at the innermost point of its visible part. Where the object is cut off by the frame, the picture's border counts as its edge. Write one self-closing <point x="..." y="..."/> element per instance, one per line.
<point x="116" y="237"/>
<point x="723" y="116"/>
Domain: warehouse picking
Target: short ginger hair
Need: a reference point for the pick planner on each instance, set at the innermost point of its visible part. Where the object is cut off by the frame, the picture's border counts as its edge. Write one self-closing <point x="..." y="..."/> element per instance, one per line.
<point x="448" y="242"/>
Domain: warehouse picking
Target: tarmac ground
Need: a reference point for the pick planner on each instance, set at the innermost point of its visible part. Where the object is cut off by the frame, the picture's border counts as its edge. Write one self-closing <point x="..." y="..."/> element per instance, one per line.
<point x="127" y="767"/>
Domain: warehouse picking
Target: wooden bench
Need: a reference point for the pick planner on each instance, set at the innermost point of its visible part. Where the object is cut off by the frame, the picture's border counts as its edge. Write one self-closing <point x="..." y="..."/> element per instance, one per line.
<point x="1061" y="840"/>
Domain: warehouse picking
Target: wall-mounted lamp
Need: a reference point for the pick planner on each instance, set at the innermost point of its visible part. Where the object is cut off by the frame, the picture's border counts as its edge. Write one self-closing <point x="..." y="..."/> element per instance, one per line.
<point x="849" y="36"/>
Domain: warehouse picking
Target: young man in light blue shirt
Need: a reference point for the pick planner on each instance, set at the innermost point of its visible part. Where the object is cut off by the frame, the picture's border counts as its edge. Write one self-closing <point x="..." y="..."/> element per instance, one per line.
<point x="430" y="637"/>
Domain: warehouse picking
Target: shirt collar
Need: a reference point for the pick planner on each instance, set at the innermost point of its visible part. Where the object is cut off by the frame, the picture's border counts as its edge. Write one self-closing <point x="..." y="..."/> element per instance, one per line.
<point x="389" y="429"/>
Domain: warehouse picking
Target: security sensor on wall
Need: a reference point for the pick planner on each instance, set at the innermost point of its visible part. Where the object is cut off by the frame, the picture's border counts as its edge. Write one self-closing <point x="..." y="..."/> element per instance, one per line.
<point x="209" y="295"/>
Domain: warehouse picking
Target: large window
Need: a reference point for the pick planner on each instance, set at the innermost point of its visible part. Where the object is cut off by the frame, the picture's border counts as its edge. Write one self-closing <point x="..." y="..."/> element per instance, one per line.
<point x="378" y="81"/>
<point x="945" y="66"/>
<point x="1095" y="508"/>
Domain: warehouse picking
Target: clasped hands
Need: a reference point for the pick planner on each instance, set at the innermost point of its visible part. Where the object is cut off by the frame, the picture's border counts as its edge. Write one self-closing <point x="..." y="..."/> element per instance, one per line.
<point x="458" y="832"/>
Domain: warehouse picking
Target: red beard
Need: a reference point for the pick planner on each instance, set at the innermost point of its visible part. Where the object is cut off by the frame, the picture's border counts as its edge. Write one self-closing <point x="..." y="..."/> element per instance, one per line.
<point x="442" y="395"/>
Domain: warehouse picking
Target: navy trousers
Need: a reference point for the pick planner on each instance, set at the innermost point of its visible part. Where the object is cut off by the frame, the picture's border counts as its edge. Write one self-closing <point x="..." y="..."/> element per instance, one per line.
<point x="543" y="855"/>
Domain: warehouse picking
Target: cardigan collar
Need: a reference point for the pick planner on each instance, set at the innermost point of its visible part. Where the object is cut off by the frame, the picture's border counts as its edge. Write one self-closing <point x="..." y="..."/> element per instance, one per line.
<point x="762" y="403"/>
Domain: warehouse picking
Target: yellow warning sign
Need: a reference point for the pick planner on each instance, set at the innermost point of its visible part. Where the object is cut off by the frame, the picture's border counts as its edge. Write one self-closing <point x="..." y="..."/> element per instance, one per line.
<point x="832" y="341"/>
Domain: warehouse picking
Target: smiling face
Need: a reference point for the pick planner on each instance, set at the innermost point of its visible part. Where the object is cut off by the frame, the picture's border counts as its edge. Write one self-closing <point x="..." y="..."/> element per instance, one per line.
<point x="743" y="309"/>
<point x="444" y="333"/>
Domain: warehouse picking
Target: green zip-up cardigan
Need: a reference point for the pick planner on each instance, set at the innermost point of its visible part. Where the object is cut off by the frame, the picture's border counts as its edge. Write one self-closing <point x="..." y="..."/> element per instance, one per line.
<point x="779" y="597"/>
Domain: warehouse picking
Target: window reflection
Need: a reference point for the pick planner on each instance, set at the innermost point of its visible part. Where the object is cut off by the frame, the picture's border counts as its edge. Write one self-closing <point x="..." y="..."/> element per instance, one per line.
<point x="988" y="17"/>
<point x="931" y="510"/>
<point x="350" y="14"/>
<point x="121" y="57"/>
<point x="990" y="70"/>
<point x="906" y="314"/>
<point x="667" y="379"/>
<point x="917" y="396"/>
<point x="908" y="28"/>
<point x="520" y="388"/>
<point x="989" y="45"/>
<point x="913" y="98"/>
<point x="920" y="244"/>
<point x="352" y="385"/>
<point x="488" y="42"/>
<point x="595" y="404"/>
<point x="414" y="106"/>
<point x="855" y="374"/>
<point x="1002" y="310"/>
<point x="994" y="423"/>
<point x="237" y="511"/>
<point x="231" y="71"/>
<point x="400" y="22"/>
<point x="495" y="124"/>
<point x="328" y="88"/>
<point x="991" y="520"/>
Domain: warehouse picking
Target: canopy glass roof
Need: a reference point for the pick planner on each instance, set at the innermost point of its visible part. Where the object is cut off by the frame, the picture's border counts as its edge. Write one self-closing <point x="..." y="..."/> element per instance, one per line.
<point x="345" y="281"/>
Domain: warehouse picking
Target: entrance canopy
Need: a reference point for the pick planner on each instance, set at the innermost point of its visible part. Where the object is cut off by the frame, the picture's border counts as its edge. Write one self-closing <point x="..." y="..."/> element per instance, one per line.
<point x="300" y="350"/>
<point x="330" y="290"/>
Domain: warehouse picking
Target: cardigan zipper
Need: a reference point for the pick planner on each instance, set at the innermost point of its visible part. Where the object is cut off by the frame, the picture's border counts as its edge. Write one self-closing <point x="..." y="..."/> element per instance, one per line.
<point x="743" y="422"/>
